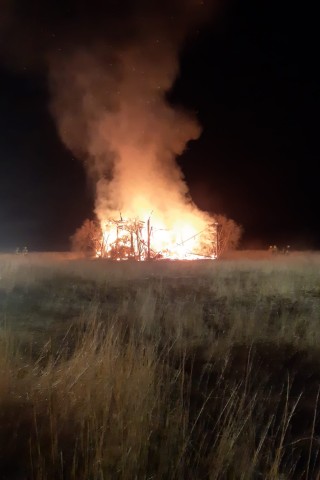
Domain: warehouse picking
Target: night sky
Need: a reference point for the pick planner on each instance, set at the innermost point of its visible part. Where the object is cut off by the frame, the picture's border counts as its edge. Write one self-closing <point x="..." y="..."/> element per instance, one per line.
<point x="250" y="74"/>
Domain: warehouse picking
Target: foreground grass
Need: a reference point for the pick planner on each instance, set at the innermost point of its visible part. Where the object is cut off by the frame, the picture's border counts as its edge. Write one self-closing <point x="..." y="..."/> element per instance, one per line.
<point x="201" y="370"/>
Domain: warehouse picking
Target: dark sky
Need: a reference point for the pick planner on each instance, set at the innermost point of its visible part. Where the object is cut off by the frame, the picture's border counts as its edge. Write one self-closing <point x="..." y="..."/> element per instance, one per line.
<point x="250" y="75"/>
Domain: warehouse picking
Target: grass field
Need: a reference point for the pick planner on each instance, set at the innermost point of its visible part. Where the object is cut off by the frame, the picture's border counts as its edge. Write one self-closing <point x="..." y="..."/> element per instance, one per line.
<point x="160" y="370"/>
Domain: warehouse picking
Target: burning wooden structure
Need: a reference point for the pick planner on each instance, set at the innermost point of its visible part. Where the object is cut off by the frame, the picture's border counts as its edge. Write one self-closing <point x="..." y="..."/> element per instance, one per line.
<point x="125" y="239"/>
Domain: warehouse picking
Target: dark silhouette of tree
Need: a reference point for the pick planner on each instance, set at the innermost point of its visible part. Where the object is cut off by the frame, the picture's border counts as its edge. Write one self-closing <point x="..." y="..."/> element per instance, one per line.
<point x="228" y="234"/>
<point x="87" y="239"/>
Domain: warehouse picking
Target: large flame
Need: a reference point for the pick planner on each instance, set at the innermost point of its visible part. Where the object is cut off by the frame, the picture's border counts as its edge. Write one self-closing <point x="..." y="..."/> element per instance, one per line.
<point x="186" y="236"/>
<point x="158" y="219"/>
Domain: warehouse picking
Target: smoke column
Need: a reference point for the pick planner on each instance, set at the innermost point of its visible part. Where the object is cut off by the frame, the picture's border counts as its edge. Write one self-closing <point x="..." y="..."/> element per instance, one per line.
<point x="109" y="65"/>
<point x="110" y="106"/>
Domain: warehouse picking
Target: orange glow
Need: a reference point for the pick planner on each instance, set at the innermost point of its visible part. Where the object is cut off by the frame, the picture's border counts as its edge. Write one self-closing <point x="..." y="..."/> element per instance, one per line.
<point x="131" y="136"/>
<point x="132" y="152"/>
<point x="187" y="236"/>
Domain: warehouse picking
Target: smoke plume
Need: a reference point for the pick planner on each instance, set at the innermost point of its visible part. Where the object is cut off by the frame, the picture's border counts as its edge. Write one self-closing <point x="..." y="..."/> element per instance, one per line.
<point x="109" y="74"/>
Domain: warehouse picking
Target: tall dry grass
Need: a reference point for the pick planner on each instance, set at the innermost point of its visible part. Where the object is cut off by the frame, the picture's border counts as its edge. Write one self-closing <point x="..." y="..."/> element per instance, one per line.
<point x="201" y="370"/>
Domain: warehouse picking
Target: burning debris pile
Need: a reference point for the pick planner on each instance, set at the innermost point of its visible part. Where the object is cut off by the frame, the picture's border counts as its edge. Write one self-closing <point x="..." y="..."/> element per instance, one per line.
<point x="143" y="240"/>
<point x="152" y="239"/>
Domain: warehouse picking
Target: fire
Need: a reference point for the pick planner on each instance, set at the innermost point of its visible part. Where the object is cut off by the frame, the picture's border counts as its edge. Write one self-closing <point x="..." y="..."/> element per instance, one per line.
<point x="114" y="110"/>
<point x="149" y="236"/>
<point x="132" y="136"/>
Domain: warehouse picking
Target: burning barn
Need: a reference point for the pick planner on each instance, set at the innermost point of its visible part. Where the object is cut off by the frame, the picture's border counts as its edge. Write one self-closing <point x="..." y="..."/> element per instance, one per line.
<point x="140" y="240"/>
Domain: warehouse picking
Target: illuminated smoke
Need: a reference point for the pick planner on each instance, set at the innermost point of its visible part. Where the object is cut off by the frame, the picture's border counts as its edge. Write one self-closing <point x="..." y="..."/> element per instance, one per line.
<point x="111" y="110"/>
<point x="123" y="126"/>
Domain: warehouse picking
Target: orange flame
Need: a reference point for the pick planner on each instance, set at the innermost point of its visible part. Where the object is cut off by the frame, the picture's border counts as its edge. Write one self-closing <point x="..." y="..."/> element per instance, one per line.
<point x="188" y="236"/>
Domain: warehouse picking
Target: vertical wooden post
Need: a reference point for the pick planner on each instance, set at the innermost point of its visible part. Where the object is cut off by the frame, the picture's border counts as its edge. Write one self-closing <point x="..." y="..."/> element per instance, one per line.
<point x="217" y="238"/>
<point x="148" y="232"/>
<point x="131" y="242"/>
